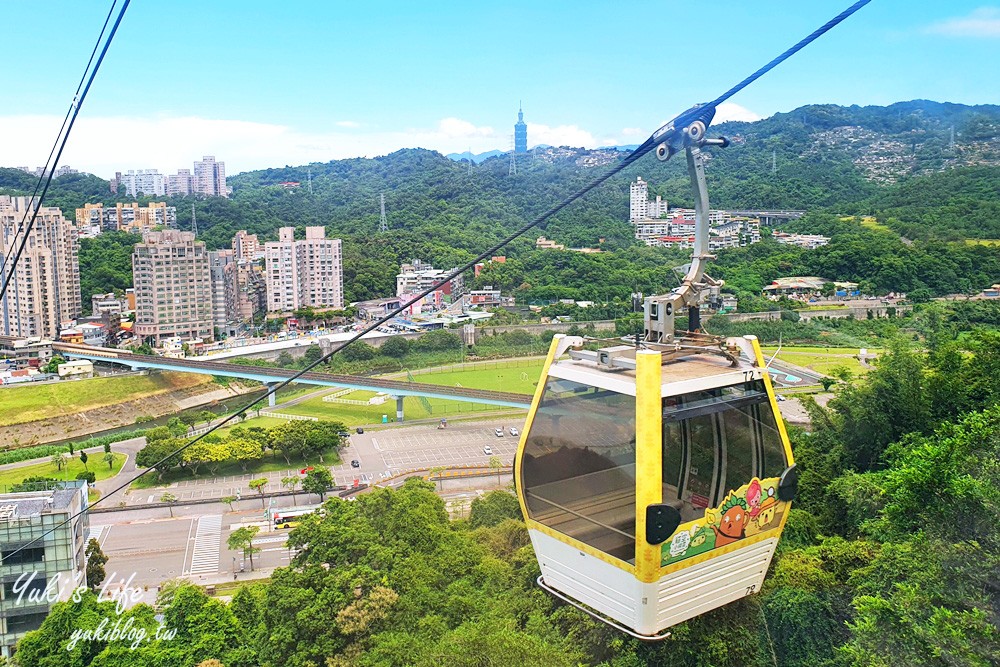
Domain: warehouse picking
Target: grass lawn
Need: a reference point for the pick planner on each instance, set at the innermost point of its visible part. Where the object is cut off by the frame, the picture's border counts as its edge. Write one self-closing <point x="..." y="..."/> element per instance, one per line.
<point x="873" y="223"/>
<point x="267" y="464"/>
<point x="986" y="242"/>
<point x="230" y="588"/>
<point x="518" y="379"/>
<point x="821" y="359"/>
<point x="69" y="470"/>
<point x="22" y="404"/>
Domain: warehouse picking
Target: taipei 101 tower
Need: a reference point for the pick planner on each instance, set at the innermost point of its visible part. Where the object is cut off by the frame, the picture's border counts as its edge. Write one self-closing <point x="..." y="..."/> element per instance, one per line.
<point x="520" y="133"/>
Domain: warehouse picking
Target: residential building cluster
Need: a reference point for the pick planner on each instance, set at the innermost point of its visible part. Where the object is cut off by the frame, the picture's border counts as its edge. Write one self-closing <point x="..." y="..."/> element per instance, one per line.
<point x="93" y="219"/>
<point x="207" y="178"/>
<point x="38" y="172"/>
<point x="307" y="272"/>
<point x="656" y="224"/>
<point x="810" y="241"/>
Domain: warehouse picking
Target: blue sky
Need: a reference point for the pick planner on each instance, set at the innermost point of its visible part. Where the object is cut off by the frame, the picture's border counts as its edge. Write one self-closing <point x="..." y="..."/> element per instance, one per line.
<point x="266" y="84"/>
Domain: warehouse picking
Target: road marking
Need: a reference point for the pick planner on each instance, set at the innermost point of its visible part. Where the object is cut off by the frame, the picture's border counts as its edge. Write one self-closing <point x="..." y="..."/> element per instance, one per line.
<point x="207" y="541"/>
<point x="150" y="499"/>
<point x="95" y="533"/>
<point x="187" y="544"/>
<point x="375" y="445"/>
<point x="269" y="540"/>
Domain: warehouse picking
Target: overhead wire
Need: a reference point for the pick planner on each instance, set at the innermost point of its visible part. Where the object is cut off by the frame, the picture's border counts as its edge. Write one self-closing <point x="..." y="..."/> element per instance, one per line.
<point x="73" y="113"/>
<point x="629" y="159"/>
<point x="55" y="144"/>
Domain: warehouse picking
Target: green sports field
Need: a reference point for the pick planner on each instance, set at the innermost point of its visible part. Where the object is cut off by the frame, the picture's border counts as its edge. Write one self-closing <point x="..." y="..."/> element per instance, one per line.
<point x="520" y="378"/>
<point x="821" y="359"/>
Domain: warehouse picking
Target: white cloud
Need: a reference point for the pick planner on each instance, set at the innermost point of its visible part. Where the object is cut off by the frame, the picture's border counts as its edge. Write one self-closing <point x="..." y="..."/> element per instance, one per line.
<point x="105" y="145"/>
<point x="561" y="135"/>
<point x="348" y="123"/>
<point x="634" y="132"/>
<point x="983" y="22"/>
<point x="729" y="111"/>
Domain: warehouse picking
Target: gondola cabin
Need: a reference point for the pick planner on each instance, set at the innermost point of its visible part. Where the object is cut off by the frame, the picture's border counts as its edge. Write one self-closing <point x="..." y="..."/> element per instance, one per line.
<point x="654" y="483"/>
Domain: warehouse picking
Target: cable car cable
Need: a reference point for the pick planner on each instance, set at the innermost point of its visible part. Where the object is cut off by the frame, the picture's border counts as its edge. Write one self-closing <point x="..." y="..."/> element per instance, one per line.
<point x="665" y="133"/>
<point x="55" y="144"/>
<point x="75" y="108"/>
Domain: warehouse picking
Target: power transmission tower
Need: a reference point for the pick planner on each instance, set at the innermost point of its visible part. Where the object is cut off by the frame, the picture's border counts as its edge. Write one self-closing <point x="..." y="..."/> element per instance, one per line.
<point x="194" y="222"/>
<point x="470" y="159"/>
<point x="309" y="177"/>
<point x="383" y="226"/>
<point x="774" y="161"/>
<point x="512" y="171"/>
<point x="952" y="142"/>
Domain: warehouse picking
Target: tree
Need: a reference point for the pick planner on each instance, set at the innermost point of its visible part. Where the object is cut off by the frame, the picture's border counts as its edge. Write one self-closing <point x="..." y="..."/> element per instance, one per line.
<point x="109" y="458"/>
<point x="436" y="471"/>
<point x="359" y="351"/>
<point x="241" y="539"/>
<point x="83" y="459"/>
<point x="206" y="416"/>
<point x="53" y="365"/>
<point x="107" y="448"/>
<point x="244" y="450"/>
<point x="494" y="508"/>
<point x="159" y="454"/>
<point x="169" y="499"/>
<point x="318" y="481"/>
<point x="496" y="464"/>
<point x="395" y="346"/>
<point x="229" y="500"/>
<point x="827" y="382"/>
<point x="95" y="563"/>
<point x="59" y="460"/>
<point x="177" y="428"/>
<point x="88" y="476"/>
<point x="291" y="483"/>
<point x="258" y="486"/>
<point x="188" y="418"/>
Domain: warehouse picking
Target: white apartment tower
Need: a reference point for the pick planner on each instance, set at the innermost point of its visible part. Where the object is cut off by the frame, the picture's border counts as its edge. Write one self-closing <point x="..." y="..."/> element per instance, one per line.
<point x="246" y="246"/>
<point x="209" y="177"/>
<point x="44" y="291"/>
<point x="638" y="202"/>
<point x="173" y="287"/>
<point x="144" y="181"/>
<point x="303" y="273"/>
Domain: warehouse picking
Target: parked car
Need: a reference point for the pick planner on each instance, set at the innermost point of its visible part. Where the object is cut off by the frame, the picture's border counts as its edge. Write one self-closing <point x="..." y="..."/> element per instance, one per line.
<point x="513" y="431"/>
<point x="344" y="434"/>
<point x="488" y="450"/>
<point x="499" y="432"/>
<point x="355" y="463"/>
<point x="359" y="430"/>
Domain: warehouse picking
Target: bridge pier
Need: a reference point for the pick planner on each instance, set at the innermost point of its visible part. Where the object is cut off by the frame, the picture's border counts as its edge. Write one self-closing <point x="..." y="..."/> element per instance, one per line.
<point x="272" y="400"/>
<point x="399" y="408"/>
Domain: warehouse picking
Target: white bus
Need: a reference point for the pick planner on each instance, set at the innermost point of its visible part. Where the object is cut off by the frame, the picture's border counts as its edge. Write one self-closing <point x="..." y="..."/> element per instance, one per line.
<point x="290" y="517"/>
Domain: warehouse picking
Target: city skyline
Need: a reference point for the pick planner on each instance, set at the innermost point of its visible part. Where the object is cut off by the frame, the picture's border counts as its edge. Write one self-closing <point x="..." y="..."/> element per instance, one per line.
<point x="457" y="75"/>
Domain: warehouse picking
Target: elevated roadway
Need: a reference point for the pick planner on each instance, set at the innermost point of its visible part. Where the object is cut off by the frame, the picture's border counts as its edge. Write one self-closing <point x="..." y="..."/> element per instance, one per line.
<point x="395" y="388"/>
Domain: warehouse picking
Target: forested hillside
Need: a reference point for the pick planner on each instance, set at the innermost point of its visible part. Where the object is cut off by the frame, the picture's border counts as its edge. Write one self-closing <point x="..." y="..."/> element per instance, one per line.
<point x="895" y="163"/>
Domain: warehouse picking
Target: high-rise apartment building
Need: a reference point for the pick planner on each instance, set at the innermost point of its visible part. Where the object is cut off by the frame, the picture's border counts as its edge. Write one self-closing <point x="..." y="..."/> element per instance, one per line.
<point x="173" y="287"/>
<point x="44" y="291"/>
<point x="209" y="177"/>
<point x="638" y="200"/>
<point x="303" y="273"/>
<point x="223" y="269"/>
<point x="143" y="181"/>
<point x="520" y="133"/>
<point x="180" y="183"/>
<point x="246" y="247"/>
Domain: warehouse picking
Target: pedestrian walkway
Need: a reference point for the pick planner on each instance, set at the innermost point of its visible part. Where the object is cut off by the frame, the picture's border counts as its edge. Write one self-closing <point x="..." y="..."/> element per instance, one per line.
<point x="207" y="542"/>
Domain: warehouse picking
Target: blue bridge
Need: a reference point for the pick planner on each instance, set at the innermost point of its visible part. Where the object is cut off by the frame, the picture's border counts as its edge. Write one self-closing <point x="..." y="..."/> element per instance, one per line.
<point x="270" y="376"/>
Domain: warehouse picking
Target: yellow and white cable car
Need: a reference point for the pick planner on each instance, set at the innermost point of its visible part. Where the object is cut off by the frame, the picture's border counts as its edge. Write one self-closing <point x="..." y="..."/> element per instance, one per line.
<point x="655" y="478"/>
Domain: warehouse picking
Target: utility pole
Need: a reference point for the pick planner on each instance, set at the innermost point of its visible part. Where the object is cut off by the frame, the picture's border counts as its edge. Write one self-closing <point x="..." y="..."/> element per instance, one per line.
<point x="194" y="222"/>
<point x="383" y="226"/>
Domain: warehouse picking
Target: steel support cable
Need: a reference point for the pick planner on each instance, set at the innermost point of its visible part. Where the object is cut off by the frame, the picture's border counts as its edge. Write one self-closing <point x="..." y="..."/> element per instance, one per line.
<point x="72" y="105"/>
<point x="75" y="108"/>
<point x="644" y="148"/>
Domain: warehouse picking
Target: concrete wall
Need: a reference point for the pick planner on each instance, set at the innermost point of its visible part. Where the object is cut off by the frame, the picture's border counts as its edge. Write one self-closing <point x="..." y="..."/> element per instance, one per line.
<point x="859" y="312"/>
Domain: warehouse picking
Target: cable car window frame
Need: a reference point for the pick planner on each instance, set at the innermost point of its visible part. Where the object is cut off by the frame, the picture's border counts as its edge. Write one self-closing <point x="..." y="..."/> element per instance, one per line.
<point x="563" y="400"/>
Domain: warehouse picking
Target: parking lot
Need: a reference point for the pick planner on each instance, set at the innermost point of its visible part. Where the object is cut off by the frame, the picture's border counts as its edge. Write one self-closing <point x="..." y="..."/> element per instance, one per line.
<point x="421" y="446"/>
